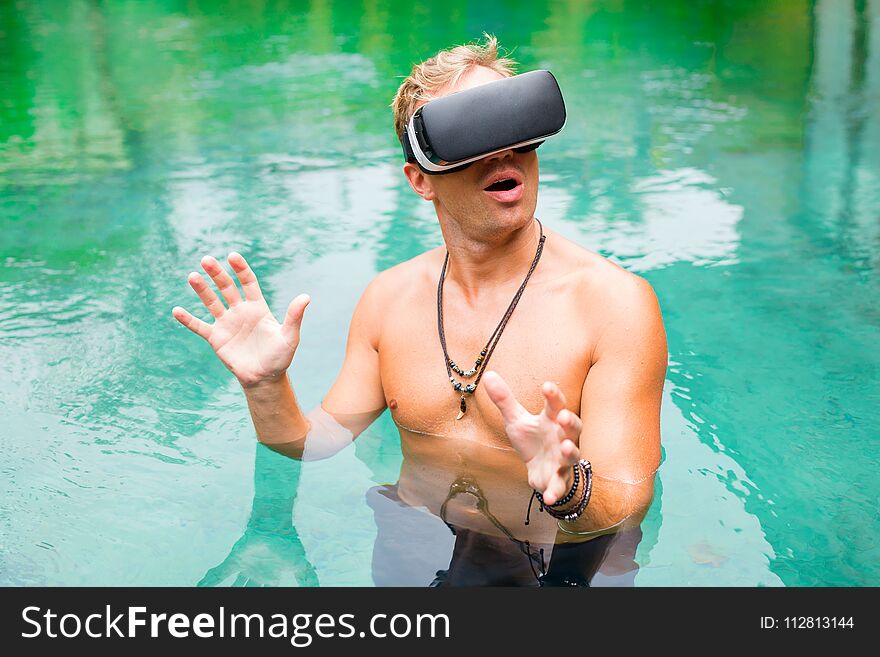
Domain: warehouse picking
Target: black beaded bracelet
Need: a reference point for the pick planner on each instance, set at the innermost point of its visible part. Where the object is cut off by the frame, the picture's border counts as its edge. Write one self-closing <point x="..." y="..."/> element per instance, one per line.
<point x="588" y="489"/>
<point x="581" y="466"/>
<point x="556" y="513"/>
<point x="575" y="513"/>
<point x="565" y="500"/>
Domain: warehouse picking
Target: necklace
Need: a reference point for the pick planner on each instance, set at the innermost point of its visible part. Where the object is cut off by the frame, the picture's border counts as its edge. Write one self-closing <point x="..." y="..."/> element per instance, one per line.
<point x="483" y="359"/>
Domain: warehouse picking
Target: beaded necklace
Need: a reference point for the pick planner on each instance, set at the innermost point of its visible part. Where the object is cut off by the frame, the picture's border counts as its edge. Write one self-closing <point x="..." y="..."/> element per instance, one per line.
<point x="483" y="359"/>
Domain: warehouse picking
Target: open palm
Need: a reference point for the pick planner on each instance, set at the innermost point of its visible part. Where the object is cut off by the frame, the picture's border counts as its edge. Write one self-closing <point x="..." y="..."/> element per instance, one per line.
<point x="245" y="335"/>
<point x="546" y="442"/>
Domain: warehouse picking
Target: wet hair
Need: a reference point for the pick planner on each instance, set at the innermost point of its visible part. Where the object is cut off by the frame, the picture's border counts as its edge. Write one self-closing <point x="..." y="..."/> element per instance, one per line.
<point x="443" y="70"/>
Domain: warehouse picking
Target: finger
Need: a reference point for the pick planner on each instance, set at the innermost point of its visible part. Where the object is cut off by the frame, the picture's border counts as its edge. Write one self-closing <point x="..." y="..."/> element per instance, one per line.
<point x="570" y="452"/>
<point x="246" y="276"/>
<point x="501" y="395"/>
<point x="194" y="324"/>
<point x="554" y="400"/>
<point x="293" y="319"/>
<point x="558" y="485"/>
<point x="571" y="425"/>
<point x="206" y="294"/>
<point x="222" y="280"/>
<point x="556" y="488"/>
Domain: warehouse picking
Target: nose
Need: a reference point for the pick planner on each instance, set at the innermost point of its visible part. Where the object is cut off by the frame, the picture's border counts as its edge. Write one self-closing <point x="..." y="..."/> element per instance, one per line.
<point x="505" y="154"/>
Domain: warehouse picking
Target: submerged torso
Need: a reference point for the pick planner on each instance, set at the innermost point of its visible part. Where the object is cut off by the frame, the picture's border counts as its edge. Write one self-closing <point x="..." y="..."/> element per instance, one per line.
<point x="549" y="337"/>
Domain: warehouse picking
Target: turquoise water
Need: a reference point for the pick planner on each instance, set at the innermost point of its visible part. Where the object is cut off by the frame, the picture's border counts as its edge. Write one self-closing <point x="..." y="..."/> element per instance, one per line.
<point x="727" y="152"/>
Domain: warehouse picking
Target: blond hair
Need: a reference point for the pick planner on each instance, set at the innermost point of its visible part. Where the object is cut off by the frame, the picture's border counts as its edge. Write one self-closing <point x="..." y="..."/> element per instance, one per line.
<point x="443" y="70"/>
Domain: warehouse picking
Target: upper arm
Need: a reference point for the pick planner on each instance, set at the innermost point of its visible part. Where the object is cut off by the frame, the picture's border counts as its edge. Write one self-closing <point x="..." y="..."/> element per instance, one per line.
<point x="621" y="398"/>
<point x="356" y="397"/>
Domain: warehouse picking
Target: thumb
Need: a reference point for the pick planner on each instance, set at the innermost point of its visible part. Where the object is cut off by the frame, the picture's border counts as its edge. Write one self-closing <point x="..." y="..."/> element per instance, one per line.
<point x="294" y="317"/>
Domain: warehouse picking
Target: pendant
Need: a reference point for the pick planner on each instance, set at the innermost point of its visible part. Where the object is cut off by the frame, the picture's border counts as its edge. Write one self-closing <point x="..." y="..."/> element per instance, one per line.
<point x="462" y="408"/>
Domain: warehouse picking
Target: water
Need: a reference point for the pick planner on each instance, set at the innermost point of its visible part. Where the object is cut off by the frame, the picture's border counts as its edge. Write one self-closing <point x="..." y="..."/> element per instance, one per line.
<point x="727" y="152"/>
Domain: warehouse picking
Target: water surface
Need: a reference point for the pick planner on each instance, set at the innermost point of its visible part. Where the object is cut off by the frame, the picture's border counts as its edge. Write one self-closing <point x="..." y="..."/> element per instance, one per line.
<point x="727" y="152"/>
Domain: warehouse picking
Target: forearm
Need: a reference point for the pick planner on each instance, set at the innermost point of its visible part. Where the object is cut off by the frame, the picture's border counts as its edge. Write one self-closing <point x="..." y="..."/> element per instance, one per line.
<point x="278" y="420"/>
<point x="281" y="425"/>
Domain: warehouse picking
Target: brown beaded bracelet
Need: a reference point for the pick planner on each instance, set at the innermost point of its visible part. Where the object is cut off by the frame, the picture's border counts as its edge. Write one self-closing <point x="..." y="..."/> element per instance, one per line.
<point x="585" y="497"/>
<point x="574" y="514"/>
<point x="552" y="509"/>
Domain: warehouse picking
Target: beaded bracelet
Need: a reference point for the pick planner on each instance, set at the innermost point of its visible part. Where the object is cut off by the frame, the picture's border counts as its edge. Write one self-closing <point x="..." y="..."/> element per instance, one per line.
<point x="552" y="509"/>
<point x="588" y="489"/>
<point x="575" y="513"/>
<point x="565" y="500"/>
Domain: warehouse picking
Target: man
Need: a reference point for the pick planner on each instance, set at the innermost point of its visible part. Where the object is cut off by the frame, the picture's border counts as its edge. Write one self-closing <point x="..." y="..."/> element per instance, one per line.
<point x="576" y="372"/>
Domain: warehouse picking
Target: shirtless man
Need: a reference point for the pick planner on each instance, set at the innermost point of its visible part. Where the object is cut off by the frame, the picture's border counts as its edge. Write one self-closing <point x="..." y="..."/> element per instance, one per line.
<point x="577" y="373"/>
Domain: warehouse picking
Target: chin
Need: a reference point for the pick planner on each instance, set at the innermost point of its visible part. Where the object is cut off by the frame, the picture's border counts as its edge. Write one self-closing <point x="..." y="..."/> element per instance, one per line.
<point x="513" y="217"/>
<point x="504" y="223"/>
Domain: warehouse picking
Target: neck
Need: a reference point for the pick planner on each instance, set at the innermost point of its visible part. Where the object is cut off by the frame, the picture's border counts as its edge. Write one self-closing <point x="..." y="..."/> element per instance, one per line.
<point x="480" y="262"/>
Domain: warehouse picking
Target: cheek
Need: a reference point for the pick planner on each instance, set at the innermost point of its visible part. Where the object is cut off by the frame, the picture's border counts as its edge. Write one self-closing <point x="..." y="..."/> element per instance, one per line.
<point x="457" y="193"/>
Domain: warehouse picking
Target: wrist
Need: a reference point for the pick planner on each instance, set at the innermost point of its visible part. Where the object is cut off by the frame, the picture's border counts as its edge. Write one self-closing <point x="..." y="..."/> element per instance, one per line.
<point x="572" y="479"/>
<point x="573" y="504"/>
<point x="569" y="477"/>
<point x="266" y="384"/>
<point x="574" y="484"/>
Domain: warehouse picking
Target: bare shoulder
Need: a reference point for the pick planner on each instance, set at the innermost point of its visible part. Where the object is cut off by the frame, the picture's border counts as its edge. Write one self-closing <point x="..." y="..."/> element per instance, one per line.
<point x="595" y="273"/>
<point x="630" y="310"/>
<point x="394" y="283"/>
<point x="395" y="286"/>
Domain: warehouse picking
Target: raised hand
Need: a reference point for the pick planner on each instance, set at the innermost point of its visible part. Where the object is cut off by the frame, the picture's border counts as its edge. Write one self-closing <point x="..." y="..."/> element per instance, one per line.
<point x="547" y="442"/>
<point x="245" y="335"/>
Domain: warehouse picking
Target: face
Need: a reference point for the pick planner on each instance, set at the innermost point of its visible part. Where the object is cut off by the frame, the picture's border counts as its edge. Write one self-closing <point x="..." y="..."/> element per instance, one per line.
<point x="493" y="195"/>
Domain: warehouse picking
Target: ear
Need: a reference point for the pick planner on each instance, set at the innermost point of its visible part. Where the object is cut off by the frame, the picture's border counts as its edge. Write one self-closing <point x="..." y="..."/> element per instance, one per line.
<point x="419" y="181"/>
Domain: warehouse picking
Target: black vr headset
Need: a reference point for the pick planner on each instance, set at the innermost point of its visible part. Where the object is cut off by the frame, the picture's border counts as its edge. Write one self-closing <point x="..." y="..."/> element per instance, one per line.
<point x="449" y="133"/>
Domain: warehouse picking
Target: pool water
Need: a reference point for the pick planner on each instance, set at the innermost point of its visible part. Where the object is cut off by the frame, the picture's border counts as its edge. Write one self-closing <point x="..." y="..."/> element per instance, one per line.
<point x="727" y="152"/>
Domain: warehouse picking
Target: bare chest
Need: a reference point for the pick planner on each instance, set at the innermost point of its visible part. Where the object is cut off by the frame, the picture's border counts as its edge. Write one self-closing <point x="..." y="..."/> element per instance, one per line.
<point x="546" y="339"/>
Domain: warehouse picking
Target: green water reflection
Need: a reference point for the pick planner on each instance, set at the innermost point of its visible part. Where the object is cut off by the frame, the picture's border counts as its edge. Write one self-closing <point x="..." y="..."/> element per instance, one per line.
<point x="727" y="151"/>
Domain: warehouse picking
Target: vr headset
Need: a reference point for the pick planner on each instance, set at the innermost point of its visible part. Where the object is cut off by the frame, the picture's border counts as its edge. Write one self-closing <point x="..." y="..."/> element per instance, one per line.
<point x="449" y="133"/>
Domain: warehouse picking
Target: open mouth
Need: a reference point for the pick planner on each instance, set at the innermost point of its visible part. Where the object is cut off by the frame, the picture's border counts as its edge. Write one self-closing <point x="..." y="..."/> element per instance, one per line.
<point x="504" y="185"/>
